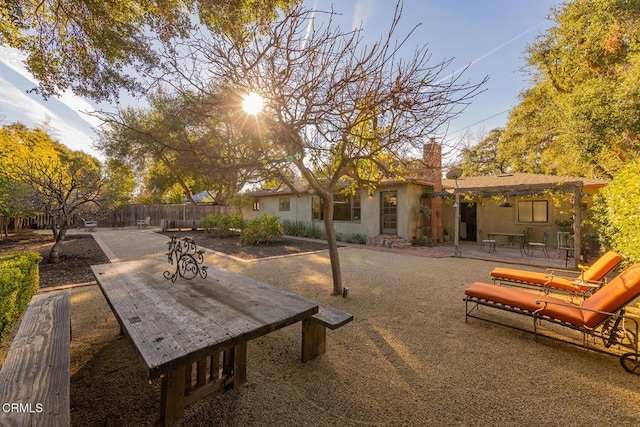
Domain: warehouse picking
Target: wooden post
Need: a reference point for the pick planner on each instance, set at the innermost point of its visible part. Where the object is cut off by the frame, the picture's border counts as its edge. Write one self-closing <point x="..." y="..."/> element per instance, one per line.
<point x="577" y="212"/>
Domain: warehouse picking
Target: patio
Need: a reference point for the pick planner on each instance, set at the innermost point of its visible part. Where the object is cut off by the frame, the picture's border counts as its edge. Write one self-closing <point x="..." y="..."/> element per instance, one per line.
<point x="503" y="254"/>
<point x="408" y="358"/>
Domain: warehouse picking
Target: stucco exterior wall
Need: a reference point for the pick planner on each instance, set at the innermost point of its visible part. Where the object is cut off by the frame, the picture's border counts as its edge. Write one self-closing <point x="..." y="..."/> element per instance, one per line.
<point x="408" y="199"/>
<point x="493" y="218"/>
<point x="299" y="208"/>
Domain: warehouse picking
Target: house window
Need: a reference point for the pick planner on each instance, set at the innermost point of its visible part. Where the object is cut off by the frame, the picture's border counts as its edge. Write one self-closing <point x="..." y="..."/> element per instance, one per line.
<point x="256" y="205"/>
<point x="345" y="208"/>
<point x="285" y="203"/>
<point x="536" y="211"/>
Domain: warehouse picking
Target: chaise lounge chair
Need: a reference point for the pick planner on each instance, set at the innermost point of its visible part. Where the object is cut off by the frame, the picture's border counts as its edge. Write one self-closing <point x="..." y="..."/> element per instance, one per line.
<point x="602" y="315"/>
<point x="583" y="284"/>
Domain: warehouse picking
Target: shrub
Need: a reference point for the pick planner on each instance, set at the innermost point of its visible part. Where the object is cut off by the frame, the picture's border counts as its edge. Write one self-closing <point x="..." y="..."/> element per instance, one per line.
<point x="261" y="230"/>
<point x="616" y="215"/>
<point x="303" y="229"/>
<point x="19" y="278"/>
<point x="354" y="238"/>
<point x="223" y="225"/>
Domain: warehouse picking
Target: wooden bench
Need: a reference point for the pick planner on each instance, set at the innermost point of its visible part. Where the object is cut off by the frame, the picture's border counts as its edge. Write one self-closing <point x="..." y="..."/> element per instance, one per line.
<point x="35" y="378"/>
<point x="143" y="223"/>
<point x="314" y="330"/>
<point x="90" y="225"/>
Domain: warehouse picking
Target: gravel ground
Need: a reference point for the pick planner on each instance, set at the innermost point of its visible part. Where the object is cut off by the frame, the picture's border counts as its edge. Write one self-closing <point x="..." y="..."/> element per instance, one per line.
<point x="408" y="359"/>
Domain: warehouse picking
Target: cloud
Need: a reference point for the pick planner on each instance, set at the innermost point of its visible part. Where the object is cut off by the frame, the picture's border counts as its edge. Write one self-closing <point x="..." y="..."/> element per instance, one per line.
<point x="61" y="117"/>
<point x="362" y="11"/>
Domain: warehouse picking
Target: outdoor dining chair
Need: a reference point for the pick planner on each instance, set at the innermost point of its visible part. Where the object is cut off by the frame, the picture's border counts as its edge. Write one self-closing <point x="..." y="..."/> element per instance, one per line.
<point x="542" y="245"/>
<point x="490" y="242"/>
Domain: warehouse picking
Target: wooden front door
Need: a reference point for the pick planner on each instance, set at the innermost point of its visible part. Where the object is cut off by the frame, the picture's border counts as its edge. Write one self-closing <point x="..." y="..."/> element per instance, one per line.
<point x="389" y="212"/>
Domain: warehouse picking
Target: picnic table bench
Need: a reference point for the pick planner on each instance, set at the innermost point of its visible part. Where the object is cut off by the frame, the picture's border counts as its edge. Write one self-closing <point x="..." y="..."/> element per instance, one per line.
<point x="314" y="330"/>
<point x="193" y="334"/>
<point x="35" y="378"/>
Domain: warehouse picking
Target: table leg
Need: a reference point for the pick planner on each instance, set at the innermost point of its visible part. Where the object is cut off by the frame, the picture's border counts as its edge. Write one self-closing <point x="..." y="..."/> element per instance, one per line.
<point x="239" y="364"/>
<point x="172" y="399"/>
<point x="314" y="339"/>
<point x="179" y="390"/>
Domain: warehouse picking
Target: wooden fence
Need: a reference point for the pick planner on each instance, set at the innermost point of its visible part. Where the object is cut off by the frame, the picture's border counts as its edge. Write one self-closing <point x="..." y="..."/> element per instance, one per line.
<point x="166" y="212"/>
<point x="126" y="216"/>
<point x="19" y="223"/>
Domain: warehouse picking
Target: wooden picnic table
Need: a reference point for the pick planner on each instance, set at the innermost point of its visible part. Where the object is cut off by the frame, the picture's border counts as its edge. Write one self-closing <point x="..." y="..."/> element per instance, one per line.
<point x="194" y="333"/>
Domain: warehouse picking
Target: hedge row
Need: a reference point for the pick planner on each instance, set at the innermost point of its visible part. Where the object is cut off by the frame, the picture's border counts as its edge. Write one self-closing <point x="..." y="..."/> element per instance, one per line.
<point x="19" y="278"/>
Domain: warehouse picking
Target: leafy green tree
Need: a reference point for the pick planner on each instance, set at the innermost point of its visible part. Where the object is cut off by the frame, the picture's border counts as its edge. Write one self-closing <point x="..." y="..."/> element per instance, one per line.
<point x="580" y="117"/>
<point x="118" y="188"/>
<point x="191" y="142"/>
<point x="616" y="213"/>
<point x="15" y="201"/>
<point x="62" y="183"/>
<point x="484" y="158"/>
<point x="98" y="48"/>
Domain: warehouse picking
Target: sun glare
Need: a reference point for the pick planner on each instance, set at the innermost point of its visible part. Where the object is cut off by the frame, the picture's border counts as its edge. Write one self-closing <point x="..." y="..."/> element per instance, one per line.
<point x="252" y="103"/>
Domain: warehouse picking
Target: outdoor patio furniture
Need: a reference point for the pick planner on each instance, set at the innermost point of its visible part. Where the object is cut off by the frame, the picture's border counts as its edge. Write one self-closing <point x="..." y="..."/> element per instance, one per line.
<point x="35" y="373"/>
<point x="90" y="225"/>
<point x="584" y="282"/>
<point x="601" y="316"/>
<point x="542" y="245"/>
<point x="565" y="244"/>
<point x="511" y="239"/>
<point x="193" y="330"/>
<point x="490" y="242"/>
<point x="143" y="223"/>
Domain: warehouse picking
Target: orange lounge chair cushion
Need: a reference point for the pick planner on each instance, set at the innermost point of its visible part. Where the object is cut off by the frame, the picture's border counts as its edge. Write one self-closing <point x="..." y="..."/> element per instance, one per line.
<point x="612" y="297"/>
<point x="619" y="292"/>
<point x="596" y="272"/>
<point x="524" y="300"/>
<point x="519" y="298"/>
<point x="537" y="278"/>
<point x="602" y="266"/>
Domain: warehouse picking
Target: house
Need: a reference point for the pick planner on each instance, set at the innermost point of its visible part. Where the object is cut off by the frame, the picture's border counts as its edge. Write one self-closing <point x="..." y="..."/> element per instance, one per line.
<point x="422" y="211"/>
<point x="393" y="214"/>
<point x="395" y="208"/>
<point x="207" y="196"/>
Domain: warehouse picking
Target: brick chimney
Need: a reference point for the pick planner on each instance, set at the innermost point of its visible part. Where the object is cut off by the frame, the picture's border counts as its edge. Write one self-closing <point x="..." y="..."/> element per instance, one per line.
<point x="432" y="159"/>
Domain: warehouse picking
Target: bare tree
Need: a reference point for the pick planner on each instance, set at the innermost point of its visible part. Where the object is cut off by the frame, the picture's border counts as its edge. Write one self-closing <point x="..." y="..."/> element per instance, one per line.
<point x="337" y="109"/>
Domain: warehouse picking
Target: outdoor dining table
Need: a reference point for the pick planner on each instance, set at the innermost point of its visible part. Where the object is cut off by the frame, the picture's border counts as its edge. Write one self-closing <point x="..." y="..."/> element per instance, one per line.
<point x="510" y="239"/>
<point x="194" y="333"/>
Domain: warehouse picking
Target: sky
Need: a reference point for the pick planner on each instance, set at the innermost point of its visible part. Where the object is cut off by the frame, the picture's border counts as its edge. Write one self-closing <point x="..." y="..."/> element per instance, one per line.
<point x="488" y="36"/>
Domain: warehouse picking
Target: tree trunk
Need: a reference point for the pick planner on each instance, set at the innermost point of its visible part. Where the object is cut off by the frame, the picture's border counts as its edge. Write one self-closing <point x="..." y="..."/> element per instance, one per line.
<point x="333" y="246"/>
<point x="58" y="237"/>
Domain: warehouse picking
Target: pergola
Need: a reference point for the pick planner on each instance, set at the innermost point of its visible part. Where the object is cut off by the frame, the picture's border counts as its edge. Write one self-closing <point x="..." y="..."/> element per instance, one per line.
<point x="573" y="187"/>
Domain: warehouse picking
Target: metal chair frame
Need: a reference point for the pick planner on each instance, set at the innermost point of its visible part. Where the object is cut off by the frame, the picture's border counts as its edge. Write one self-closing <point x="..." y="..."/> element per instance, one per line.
<point x="542" y="245"/>
<point x="616" y="329"/>
<point x="490" y="242"/>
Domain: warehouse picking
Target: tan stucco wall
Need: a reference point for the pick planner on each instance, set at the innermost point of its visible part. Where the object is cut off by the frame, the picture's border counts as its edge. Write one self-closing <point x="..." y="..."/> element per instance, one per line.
<point x="493" y="218"/>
